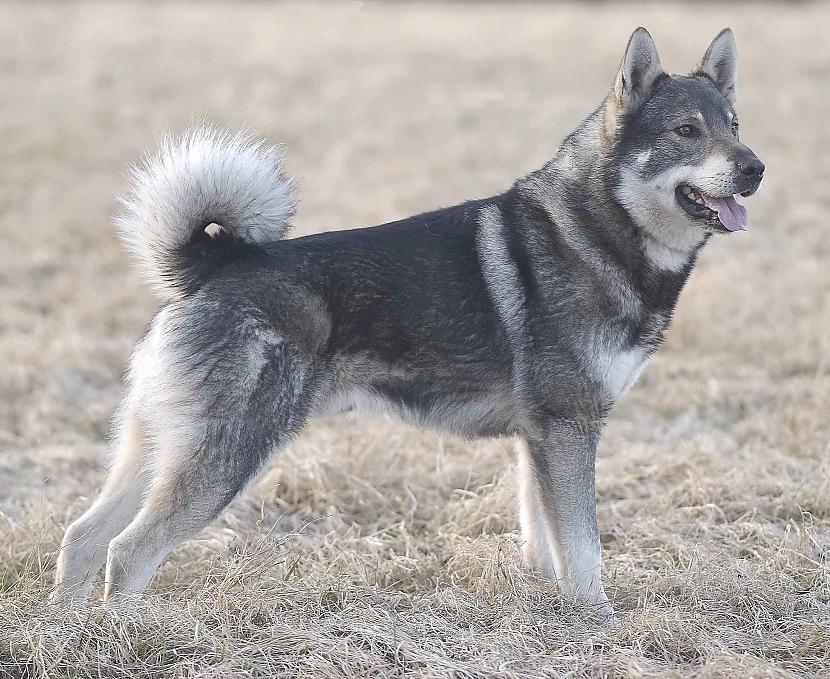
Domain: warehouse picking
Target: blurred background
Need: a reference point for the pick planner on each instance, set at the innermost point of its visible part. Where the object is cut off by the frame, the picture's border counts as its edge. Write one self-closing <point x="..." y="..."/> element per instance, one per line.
<point x="387" y="109"/>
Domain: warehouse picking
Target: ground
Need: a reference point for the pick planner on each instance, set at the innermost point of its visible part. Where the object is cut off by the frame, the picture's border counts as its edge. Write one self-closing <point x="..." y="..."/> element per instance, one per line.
<point x="370" y="548"/>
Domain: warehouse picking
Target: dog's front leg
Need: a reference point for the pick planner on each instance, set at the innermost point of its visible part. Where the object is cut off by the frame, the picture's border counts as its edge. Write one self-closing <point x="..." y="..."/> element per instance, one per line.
<point x="562" y="460"/>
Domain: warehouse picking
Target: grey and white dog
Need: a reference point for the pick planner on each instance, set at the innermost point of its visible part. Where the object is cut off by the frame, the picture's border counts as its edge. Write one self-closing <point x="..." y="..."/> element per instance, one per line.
<point x="529" y="313"/>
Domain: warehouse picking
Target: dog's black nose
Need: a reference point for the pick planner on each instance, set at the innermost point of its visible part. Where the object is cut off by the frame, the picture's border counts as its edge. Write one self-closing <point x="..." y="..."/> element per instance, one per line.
<point x="751" y="167"/>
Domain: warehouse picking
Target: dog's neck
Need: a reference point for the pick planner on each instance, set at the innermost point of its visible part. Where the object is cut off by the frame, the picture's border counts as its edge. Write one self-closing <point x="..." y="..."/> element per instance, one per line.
<point x="577" y="189"/>
<point x="576" y="192"/>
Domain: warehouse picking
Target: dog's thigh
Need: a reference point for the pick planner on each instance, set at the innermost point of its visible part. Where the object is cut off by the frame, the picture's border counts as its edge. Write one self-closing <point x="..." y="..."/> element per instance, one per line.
<point x="215" y="422"/>
<point x="84" y="547"/>
<point x="563" y="463"/>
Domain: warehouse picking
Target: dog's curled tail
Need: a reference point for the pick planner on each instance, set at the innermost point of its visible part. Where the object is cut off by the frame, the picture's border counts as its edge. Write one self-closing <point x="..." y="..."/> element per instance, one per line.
<point x="205" y="176"/>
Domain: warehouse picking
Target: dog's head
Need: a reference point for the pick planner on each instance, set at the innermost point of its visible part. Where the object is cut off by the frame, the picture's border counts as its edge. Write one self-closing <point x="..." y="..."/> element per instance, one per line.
<point x="680" y="162"/>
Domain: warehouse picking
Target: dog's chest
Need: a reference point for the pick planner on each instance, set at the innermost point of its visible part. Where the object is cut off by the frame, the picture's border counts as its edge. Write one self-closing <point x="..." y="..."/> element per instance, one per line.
<point x="618" y="362"/>
<point x="619" y="369"/>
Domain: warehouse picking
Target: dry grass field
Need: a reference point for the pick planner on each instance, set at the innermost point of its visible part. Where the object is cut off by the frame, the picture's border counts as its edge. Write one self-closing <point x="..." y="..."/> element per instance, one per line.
<point x="370" y="548"/>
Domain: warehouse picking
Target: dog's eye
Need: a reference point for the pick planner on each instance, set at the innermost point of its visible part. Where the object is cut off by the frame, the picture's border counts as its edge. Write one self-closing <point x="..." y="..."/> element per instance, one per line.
<point x="687" y="131"/>
<point x="735" y="127"/>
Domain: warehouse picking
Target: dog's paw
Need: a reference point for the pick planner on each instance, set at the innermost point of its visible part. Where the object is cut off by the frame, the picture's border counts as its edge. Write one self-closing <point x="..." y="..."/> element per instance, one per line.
<point x="611" y="622"/>
<point x="67" y="596"/>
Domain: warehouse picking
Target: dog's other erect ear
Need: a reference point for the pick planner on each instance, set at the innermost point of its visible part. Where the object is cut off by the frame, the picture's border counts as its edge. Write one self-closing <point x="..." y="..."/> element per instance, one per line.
<point x="721" y="63"/>
<point x="639" y="69"/>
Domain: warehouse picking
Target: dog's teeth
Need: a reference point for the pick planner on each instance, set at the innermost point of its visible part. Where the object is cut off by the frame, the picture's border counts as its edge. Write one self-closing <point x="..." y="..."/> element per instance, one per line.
<point x="691" y="195"/>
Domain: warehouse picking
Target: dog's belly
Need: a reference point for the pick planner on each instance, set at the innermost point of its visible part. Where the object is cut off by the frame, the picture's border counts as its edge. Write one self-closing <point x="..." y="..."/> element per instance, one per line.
<point x="464" y="413"/>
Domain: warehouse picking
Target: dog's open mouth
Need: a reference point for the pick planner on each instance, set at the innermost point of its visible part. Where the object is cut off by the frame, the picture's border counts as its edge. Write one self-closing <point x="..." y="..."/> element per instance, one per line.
<point x="726" y="213"/>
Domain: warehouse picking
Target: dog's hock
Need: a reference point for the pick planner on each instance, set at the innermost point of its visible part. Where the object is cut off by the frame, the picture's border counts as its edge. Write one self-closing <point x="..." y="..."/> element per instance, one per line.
<point x="639" y="69"/>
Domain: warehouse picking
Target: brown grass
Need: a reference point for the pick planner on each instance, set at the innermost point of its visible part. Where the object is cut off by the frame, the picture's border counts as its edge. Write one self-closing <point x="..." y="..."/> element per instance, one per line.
<point x="369" y="548"/>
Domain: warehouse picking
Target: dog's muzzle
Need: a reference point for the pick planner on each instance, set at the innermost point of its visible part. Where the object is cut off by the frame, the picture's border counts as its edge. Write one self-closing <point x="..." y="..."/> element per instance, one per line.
<point x="751" y="169"/>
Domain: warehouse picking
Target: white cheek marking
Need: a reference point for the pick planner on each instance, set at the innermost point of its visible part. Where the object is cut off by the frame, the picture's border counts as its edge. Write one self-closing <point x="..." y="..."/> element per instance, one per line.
<point x="652" y="204"/>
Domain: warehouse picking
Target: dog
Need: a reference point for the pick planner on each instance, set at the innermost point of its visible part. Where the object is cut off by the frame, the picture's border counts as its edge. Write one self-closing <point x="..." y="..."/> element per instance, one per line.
<point x="526" y="314"/>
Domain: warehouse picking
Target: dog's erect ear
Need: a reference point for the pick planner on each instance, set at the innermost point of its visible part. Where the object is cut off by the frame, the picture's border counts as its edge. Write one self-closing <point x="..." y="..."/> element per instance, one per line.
<point x="721" y="63"/>
<point x="639" y="69"/>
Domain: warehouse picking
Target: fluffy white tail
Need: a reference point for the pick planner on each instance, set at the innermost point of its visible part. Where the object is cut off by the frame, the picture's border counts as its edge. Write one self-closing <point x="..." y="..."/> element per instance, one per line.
<point x="205" y="176"/>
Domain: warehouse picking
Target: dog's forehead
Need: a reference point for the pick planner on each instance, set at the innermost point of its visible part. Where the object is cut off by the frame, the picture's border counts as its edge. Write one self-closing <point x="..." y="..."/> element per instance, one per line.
<point x="693" y="96"/>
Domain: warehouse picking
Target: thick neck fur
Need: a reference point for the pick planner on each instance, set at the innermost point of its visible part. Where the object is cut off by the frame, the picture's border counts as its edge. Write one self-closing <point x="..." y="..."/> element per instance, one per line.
<point x="576" y="191"/>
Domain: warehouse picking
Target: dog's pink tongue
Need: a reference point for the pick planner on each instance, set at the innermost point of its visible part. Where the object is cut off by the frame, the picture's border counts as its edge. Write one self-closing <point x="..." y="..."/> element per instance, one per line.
<point x="730" y="212"/>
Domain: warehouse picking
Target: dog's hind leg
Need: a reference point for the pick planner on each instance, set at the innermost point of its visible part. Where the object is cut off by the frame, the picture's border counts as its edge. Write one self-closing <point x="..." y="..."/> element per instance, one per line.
<point x="563" y="460"/>
<point x="84" y="547"/>
<point x="237" y="404"/>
